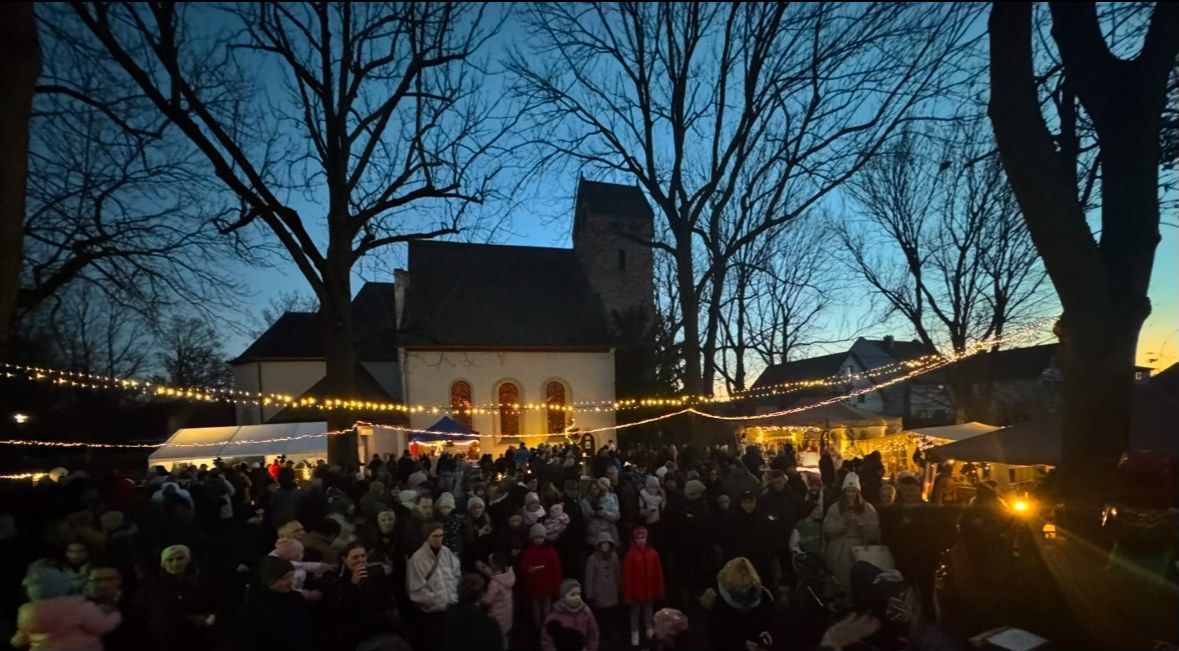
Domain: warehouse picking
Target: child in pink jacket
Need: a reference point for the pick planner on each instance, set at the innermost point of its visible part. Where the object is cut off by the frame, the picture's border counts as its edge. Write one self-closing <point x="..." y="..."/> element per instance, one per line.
<point x="56" y="620"/>
<point x="501" y="578"/>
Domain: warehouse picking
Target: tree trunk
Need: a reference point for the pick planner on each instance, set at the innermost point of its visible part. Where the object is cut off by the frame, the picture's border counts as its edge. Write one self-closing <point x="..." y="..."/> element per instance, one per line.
<point x="708" y="377"/>
<point x="339" y="360"/>
<point x="690" y="308"/>
<point x="1102" y="284"/>
<point x="21" y="56"/>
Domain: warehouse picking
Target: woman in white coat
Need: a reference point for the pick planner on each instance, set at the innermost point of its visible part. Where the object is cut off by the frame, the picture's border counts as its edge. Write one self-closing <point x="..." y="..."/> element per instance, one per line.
<point x="431" y="579"/>
<point x="850" y="522"/>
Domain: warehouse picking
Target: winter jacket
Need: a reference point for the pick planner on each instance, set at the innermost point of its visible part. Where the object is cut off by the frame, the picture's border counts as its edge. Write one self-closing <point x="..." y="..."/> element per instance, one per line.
<point x="842" y="532"/>
<point x="63" y="624"/>
<point x="642" y="576"/>
<point x="540" y="570"/>
<point x="468" y="628"/>
<point x="650" y="506"/>
<point x="170" y="603"/>
<point x="278" y="621"/>
<point x="432" y="579"/>
<point x="603" y="580"/>
<point x="733" y="623"/>
<point x="596" y="524"/>
<point x="556" y="523"/>
<point x="569" y="623"/>
<point x="498" y="598"/>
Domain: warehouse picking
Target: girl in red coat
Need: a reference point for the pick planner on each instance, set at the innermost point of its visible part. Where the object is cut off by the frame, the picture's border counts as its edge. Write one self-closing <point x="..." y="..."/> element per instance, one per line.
<point x="540" y="571"/>
<point x="642" y="584"/>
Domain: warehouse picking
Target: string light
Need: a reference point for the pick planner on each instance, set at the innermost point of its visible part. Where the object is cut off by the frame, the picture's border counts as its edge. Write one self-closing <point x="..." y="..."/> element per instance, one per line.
<point x="79" y="379"/>
<point x="915" y="372"/>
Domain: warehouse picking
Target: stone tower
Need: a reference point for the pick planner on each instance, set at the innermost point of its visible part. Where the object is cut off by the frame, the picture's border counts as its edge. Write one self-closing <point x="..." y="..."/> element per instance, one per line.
<point x="610" y="225"/>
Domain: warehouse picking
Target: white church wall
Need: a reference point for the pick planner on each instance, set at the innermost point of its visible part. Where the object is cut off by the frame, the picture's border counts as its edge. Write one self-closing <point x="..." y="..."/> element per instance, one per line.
<point x="588" y="376"/>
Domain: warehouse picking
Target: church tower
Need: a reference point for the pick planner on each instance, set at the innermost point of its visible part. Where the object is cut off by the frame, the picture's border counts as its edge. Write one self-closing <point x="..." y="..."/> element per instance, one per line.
<point x="611" y="223"/>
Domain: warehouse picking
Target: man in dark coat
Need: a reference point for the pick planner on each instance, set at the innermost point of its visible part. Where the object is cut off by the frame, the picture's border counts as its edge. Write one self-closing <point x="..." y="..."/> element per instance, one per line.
<point x="571" y="544"/>
<point x="468" y="626"/>
<point x="275" y="616"/>
<point x="783" y="507"/>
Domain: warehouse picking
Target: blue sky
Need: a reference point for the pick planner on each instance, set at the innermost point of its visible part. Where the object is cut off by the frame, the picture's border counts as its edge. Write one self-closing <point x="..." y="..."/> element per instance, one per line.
<point x="541" y="216"/>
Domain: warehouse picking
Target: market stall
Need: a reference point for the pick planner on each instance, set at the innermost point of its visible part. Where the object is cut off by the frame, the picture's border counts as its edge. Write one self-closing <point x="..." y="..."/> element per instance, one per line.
<point x="838" y="425"/>
<point x="246" y="443"/>
<point x="1008" y="455"/>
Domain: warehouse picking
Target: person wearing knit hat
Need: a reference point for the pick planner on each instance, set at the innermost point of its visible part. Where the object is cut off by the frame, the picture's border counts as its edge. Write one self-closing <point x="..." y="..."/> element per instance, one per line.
<point x="669" y="623"/>
<point x="274" y="616"/>
<point x="652" y="500"/>
<point x="642" y="584"/>
<point x="532" y="512"/>
<point x="444" y="502"/>
<point x="56" y="619"/>
<point x="540" y="568"/>
<point x="849" y="523"/>
<point x="452" y="523"/>
<point x="694" y="489"/>
<point x="408" y="499"/>
<point x="571" y="624"/>
<point x="475" y="501"/>
<point x="175" y="559"/>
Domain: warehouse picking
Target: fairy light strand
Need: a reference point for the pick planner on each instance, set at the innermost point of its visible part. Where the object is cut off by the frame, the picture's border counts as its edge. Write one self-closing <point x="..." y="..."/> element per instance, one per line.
<point x="944" y="361"/>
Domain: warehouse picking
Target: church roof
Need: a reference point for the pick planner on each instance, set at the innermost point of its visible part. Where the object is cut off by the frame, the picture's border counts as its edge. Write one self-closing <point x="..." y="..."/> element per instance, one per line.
<point x="296" y="335"/>
<point x="613" y="199"/>
<point x="482" y="296"/>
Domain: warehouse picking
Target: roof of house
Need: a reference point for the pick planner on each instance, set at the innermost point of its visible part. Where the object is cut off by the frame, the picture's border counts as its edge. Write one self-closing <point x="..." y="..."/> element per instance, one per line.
<point x="366" y="388"/>
<point x="902" y="350"/>
<point x="1013" y="363"/>
<point x="612" y="199"/>
<point x="801" y="369"/>
<point x="482" y="296"/>
<point x="296" y="335"/>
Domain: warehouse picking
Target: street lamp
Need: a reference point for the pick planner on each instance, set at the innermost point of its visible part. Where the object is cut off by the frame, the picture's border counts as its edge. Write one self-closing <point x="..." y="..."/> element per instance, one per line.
<point x="20" y="418"/>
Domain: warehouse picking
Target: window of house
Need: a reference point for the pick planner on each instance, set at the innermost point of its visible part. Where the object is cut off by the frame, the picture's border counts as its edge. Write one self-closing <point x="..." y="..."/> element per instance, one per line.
<point x="460" y="402"/>
<point x="621" y="261"/>
<point x="509" y="409"/>
<point x="554" y="397"/>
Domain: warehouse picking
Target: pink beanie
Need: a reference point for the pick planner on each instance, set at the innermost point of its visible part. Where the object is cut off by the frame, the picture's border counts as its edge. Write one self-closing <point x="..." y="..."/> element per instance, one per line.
<point x="669" y="623"/>
<point x="288" y="549"/>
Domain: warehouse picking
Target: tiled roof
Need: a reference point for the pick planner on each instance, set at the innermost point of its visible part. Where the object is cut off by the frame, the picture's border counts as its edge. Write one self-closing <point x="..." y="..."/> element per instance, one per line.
<point x="490" y="296"/>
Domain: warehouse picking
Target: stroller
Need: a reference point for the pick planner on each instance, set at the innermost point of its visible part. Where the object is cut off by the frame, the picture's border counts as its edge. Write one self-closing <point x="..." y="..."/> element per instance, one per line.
<point x="817" y="596"/>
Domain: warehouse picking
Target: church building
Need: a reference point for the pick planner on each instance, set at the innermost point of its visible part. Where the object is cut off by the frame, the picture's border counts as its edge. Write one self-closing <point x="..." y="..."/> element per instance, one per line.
<point x="506" y="338"/>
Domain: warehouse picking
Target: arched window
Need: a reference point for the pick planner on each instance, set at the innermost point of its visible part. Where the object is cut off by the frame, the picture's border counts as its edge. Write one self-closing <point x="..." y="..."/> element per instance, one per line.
<point x="460" y="402"/>
<point x="554" y="397"/>
<point x="509" y="411"/>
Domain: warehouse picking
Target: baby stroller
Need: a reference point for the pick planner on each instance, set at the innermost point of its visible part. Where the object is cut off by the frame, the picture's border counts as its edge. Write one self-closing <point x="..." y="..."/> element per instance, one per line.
<point x="817" y="596"/>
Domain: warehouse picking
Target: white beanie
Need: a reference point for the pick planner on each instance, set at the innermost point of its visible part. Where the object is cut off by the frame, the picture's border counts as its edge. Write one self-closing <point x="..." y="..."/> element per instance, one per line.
<point x="445" y="500"/>
<point x="852" y="480"/>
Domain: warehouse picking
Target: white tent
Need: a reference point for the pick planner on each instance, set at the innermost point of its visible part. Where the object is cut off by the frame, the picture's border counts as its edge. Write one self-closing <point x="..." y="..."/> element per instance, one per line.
<point x="959" y="432"/>
<point x="295" y="441"/>
<point x="197" y="445"/>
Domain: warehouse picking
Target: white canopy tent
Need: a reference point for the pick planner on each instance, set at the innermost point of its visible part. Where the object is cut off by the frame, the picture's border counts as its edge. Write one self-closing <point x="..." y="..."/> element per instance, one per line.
<point x="296" y="441"/>
<point x="197" y="445"/>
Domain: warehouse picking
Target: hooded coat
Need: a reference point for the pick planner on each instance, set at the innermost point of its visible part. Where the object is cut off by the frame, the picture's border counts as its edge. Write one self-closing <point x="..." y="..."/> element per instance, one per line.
<point x="642" y="576"/>
<point x="498" y="598"/>
<point x="603" y="579"/>
<point x="61" y="623"/>
<point x="432" y="579"/>
<point x="564" y="624"/>
<point x="540" y="569"/>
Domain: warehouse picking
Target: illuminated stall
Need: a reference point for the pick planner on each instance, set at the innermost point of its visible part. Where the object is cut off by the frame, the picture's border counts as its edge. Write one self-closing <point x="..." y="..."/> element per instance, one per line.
<point x="841" y="426"/>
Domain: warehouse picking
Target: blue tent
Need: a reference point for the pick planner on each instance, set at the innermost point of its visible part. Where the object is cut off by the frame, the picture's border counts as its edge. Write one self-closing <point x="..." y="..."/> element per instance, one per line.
<point x="446" y="429"/>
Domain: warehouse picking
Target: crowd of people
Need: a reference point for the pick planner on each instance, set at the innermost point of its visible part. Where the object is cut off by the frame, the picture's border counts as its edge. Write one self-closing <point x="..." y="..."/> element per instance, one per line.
<point x="552" y="547"/>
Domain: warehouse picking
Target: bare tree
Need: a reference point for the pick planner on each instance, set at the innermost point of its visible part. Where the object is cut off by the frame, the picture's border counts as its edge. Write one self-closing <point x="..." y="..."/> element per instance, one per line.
<point x="1101" y="280"/>
<point x="79" y="328"/>
<point x="190" y="354"/>
<point x="116" y="201"/>
<point x="793" y="283"/>
<point x="941" y="240"/>
<point x="695" y="101"/>
<point x="21" y="54"/>
<point x="380" y="120"/>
